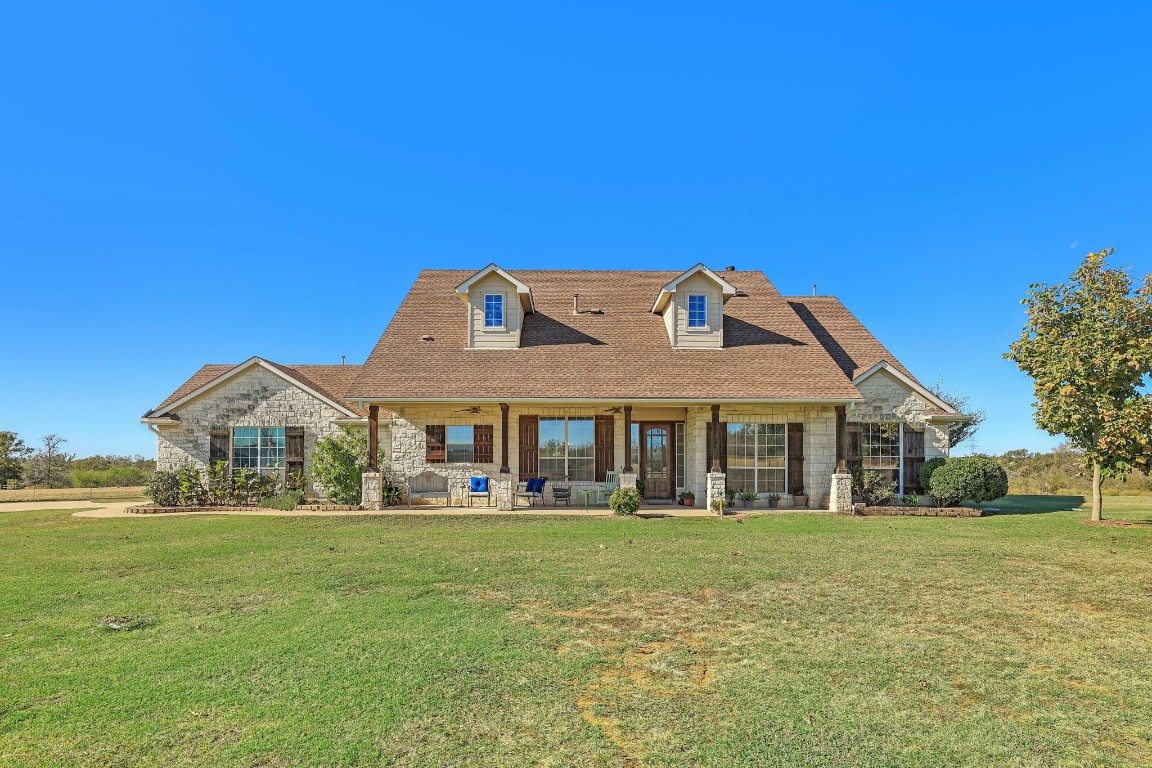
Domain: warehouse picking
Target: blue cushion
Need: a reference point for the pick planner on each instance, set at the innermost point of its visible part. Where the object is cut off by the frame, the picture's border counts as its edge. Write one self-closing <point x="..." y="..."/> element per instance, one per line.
<point x="479" y="485"/>
<point x="535" y="485"/>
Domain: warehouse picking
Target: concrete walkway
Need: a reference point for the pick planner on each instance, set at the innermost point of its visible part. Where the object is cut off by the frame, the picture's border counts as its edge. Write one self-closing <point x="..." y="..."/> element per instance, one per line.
<point x="116" y="509"/>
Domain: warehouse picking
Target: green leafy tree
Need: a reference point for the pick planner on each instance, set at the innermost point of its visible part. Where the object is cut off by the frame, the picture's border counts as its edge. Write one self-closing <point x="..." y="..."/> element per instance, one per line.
<point x="13" y="452"/>
<point x="338" y="463"/>
<point x="959" y="431"/>
<point x="1088" y="347"/>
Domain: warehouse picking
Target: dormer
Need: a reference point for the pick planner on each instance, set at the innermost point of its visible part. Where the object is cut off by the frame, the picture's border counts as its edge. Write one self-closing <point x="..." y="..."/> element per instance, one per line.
<point x="693" y="308"/>
<point x="497" y="303"/>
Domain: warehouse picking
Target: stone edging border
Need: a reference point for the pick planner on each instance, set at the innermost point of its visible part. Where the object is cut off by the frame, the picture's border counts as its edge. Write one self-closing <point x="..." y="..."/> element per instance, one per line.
<point x="144" y="510"/>
<point x="862" y="510"/>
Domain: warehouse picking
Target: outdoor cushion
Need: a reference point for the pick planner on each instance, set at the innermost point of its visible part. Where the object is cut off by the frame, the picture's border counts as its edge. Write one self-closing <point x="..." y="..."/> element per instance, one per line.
<point x="535" y="485"/>
<point x="479" y="485"/>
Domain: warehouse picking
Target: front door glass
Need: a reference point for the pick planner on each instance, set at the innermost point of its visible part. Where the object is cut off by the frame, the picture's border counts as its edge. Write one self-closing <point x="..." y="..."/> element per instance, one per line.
<point x="657" y="463"/>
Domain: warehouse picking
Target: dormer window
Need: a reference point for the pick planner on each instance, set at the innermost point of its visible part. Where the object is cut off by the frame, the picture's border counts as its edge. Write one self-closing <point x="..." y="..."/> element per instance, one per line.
<point x="698" y="310"/>
<point x="493" y="310"/>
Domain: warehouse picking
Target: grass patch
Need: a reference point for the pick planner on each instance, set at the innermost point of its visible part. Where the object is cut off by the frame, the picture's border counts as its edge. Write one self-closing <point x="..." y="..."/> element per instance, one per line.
<point x="805" y="639"/>
<point x="129" y="493"/>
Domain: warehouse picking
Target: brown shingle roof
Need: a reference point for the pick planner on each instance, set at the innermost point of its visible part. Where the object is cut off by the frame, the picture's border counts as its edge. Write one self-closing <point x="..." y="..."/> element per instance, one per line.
<point x="623" y="353"/>
<point x="850" y="344"/>
<point x="332" y="381"/>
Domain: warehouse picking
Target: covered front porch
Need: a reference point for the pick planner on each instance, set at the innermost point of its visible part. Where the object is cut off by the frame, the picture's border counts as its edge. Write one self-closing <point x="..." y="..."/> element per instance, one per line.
<point x="786" y="451"/>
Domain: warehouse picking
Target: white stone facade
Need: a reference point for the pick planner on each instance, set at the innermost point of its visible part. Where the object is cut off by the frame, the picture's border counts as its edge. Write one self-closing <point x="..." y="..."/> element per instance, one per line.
<point x="887" y="399"/>
<point x="254" y="398"/>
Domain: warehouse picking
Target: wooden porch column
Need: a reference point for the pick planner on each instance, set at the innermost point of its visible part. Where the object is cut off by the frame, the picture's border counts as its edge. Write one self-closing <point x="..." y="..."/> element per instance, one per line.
<point x="715" y="439"/>
<point x="373" y="437"/>
<point x="841" y="440"/>
<point x="628" y="438"/>
<point x="504" y="469"/>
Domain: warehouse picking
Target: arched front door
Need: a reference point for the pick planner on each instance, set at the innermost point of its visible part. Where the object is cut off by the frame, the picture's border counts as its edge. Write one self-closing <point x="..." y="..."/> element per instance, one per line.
<point x="656" y="457"/>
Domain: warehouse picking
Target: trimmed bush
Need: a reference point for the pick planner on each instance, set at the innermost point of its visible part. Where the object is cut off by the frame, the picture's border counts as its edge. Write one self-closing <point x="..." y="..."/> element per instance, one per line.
<point x="872" y="487"/>
<point x="928" y="468"/>
<point x="978" y="478"/>
<point x="624" y="501"/>
<point x="164" y="489"/>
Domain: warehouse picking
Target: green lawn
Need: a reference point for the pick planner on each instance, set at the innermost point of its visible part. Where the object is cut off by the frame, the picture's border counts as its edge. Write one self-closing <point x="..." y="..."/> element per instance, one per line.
<point x="1021" y="638"/>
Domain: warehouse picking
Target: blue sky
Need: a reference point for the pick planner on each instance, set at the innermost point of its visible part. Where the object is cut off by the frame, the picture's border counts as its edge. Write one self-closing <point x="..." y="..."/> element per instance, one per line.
<point x="183" y="183"/>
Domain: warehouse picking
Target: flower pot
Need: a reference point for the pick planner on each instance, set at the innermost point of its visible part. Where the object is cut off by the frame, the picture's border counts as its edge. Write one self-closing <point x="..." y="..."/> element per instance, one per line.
<point x="689" y="502"/>
<point x="800" y="500"/>
<point x="773" y="503"/>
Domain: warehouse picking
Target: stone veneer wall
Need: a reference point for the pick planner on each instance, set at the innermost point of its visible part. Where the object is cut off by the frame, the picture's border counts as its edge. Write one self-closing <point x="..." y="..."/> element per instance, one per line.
<point x="886" y="398"/>
<point x="819" y="440"/>
<point x="255" y="398"/>
<point x="408" y="440"/>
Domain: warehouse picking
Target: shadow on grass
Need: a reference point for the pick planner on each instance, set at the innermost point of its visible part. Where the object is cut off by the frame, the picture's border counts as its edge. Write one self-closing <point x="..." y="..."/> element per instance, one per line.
<point x="1031" y="505"/>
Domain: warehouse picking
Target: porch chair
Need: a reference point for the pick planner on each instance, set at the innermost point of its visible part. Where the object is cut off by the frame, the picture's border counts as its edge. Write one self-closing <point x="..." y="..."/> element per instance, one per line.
<point x="562" y="493"/>
<point x="480" y="487"/>
<point x="604" y="490"/>
<point x="533" y="489"/>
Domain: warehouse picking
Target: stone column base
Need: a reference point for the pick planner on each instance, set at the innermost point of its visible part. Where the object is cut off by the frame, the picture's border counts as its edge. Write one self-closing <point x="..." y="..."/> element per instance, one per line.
<point x="505" y="492"/>
<point x="840" y="496"/>
<point x="717" y="485"/>
<point x="372" y="490"/>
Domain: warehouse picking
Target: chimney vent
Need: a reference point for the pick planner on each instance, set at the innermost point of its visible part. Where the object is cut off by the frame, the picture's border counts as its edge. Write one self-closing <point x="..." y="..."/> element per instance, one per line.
<point x="341" y="359"/>
<point x="729" y="269"/>
<point x="813" y="289"/>
<point x="575" y="303"/>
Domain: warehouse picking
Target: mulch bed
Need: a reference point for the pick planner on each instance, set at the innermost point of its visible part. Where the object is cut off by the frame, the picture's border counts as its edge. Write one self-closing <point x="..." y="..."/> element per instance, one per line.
<point x="919" y="511"/>
<point x="146" y="509"/>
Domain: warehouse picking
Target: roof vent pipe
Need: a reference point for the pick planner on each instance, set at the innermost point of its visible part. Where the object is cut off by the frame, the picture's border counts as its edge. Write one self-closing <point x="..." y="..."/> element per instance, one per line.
<point x="729" y="269"/>
<point x="341" y="359"/>
<point x="813" y="289"/>
<point x="575" y="303"/>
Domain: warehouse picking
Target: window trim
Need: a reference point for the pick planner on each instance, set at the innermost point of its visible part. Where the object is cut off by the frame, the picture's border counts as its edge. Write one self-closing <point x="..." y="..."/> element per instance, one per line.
<point x="703" y="327"/>
<point x="260" y="467"/>
<point x="541" y="458"/>
<point x="755" y="468"/>
<point x="470" y="443"/>
<point x="503" y="301"/>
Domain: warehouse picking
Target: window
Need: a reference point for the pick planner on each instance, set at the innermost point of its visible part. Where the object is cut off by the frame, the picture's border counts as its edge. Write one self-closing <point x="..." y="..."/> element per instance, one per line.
<point x="259" y="448"/>
<point x="461" y="445"/>
<point x="567" y="448"/>
<point x="757" y="457"/>
<point x="880" y="449"/>
<point x="493" y="310"/>
<point x="697" y="310"/>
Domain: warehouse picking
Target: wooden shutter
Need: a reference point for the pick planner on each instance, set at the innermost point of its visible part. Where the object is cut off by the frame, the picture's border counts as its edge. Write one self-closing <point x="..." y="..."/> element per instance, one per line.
<point x="853" y="454"/>
<point x="294" y="450"/>
<point x="723" y="447"/>
<point x="605" y="445"/>
<point x="795" y="458"/>
<point x="435" y="452"/>
<point x="529" y="447"/>
<point x="218" y="446"/>
<point x="913" y="460"/>
<point x="482" y="443"/>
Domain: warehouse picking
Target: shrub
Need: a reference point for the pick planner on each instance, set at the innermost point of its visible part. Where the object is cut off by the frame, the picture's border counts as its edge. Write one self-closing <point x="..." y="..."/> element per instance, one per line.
<point x="978" y="478"/>
<point x="928" y="468"/>
<point x="910" y="500"/>
<point x="873" y="488"/>
<point x="164" y="489"/>
<point x="338" y="464"/>
<point x="287" y="500"/>
<point x="218" y="484"/>
<point x="191" y="487"/>
<point x="112" y="477"/>
<point x="624" y="501"/>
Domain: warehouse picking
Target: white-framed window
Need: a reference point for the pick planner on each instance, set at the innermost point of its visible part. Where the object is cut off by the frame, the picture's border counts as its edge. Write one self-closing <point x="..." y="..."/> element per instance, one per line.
<point x="568" y="448"/>
<point x="493" y="310"/>
<point x="259" y="448"/>
<point x="757" y="457"/>
<point x="460" y="444"/>
<point x="880" y="449"/>
<point x="697" y="310"/>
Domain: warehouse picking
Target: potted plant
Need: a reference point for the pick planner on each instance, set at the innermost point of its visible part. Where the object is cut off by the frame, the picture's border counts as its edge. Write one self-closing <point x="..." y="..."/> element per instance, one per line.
<point x="747" y="497"/>
<point x="800" y="498"/>
<point x="773" y="500"/>
<point x="730" y="492"/>
<point x="688" y="498"/>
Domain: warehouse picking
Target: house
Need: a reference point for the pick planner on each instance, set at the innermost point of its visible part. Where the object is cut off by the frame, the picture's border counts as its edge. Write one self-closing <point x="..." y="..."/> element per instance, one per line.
<point x="699" y="380"/>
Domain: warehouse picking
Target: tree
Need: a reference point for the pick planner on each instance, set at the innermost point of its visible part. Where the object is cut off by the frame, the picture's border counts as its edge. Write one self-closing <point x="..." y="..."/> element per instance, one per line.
<point x="338" y="463"/>
<point x="13" y="452"/>
<point x="49" y="465"/>
<point x="1088" y="347"/>
<point x="959" y="431"/>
